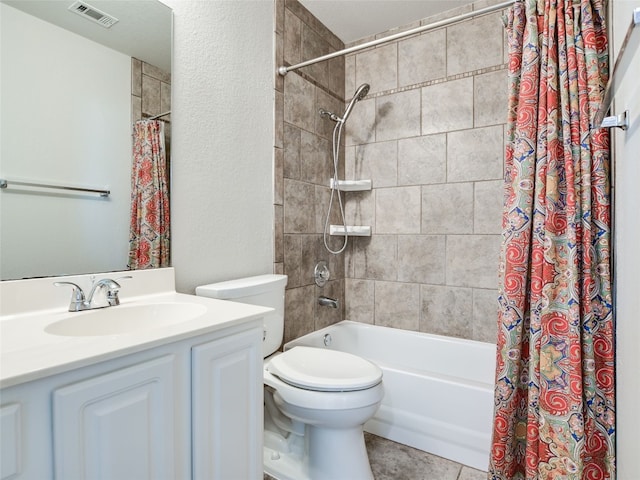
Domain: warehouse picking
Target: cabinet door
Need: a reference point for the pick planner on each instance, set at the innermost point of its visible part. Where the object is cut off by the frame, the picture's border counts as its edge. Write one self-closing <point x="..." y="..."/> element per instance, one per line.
<point x="10" y="441"/>
<point x="117" y="426"/>
<point x="227" y="408"/>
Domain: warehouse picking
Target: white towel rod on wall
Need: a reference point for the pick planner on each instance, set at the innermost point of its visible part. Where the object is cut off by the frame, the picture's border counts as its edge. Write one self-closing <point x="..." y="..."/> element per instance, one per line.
<point x="283" y="70"/>
<point x="4" y="183"/>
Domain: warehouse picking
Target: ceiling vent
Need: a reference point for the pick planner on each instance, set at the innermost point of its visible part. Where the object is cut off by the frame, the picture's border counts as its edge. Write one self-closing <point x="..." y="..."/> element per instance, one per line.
<point x="91" y="13"/>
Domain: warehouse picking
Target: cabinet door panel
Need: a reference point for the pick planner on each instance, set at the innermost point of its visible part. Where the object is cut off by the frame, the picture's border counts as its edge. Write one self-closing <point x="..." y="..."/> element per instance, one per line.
<point x="227" y="407"/>
<point x="10" y="441"/>
<point x="117" y="425"/>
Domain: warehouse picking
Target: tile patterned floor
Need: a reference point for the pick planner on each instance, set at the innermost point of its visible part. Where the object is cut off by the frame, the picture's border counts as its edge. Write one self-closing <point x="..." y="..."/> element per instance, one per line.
<point x="394" y="461"/>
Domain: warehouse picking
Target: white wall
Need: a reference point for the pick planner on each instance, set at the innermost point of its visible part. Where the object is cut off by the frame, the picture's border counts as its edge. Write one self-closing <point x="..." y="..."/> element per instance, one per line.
<point x="66" y="119"/>
<point x="627" y="253"/>
<point x="222" y="140"/>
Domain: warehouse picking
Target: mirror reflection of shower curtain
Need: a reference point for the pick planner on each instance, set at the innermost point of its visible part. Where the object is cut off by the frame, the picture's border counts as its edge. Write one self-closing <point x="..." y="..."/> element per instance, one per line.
<point x="149" y="234"/>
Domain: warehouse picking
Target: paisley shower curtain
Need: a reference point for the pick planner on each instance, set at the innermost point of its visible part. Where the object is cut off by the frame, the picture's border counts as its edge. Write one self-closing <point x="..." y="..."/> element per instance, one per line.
<point x="149" y="233"/>
<point x="554" y="398"/>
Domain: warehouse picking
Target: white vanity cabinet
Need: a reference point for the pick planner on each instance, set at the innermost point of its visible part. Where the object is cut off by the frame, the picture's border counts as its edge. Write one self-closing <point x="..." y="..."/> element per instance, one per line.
<point x="187" y="409"/>
<point x="227" y="408"/>
<point x="10" y="440"/>
<point x="120" y="424"/>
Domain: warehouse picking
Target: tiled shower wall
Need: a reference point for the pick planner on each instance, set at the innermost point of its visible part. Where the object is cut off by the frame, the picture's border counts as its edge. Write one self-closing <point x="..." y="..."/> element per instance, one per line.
<point x="151" y="95"/>
<point x="303" y="166"/>
<point x="430" y="135"/>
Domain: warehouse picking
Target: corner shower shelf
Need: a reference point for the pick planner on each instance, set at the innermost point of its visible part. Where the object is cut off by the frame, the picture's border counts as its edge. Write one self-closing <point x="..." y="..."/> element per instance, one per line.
<point x="352" y="230"/>
<point x="351" y="185"/>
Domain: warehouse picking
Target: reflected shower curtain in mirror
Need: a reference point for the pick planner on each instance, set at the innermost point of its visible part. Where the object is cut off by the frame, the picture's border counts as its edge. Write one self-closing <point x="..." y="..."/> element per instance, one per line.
<point x="149" y="235"/>
<point x="554" y="398"/>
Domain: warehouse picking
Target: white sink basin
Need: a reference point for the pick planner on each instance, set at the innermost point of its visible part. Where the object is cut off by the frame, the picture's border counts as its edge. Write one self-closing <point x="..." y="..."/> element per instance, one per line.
<point x="124" y="319"/>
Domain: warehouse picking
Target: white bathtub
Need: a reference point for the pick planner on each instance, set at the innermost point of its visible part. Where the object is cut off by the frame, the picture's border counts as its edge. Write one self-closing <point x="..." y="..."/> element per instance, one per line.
<point x="438" y="390"/>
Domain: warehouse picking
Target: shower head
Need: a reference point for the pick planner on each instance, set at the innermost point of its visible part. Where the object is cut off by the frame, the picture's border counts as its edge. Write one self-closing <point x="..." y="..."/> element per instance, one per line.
<point x="361" y="92"/>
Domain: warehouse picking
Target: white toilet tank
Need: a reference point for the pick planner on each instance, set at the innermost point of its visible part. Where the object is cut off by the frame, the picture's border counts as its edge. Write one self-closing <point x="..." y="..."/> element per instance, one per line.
<point x="262" y="290"/>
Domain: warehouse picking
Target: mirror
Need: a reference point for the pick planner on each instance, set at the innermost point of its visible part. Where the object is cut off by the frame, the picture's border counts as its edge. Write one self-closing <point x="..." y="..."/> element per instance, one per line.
<point x="70" y="91"/>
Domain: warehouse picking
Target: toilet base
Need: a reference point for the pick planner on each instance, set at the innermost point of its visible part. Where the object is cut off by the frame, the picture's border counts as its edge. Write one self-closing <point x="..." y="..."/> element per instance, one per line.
<point x="331" y="454"/>
<point x="338" y="454"/>
<point x="283" y="466"/>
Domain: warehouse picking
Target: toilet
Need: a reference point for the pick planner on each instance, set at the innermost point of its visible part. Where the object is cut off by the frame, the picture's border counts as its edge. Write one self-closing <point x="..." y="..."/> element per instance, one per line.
<point x="316" y="400"/>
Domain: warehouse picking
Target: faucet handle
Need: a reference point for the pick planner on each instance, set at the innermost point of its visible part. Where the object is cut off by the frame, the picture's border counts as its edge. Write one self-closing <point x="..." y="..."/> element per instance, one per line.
<point x="112" y="293"/>
<point x="77" y="296"/>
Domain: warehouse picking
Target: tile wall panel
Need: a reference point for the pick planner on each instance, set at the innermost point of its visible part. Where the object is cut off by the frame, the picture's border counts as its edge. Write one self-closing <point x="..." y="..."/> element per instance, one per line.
<point x="303" y="166"/>
<point x="475" y="44"/>
<point x="430" y="51"/>
<point x="398" y="115"/>
<point x="397" y="305"/>
<point x="447" y="208"/>
<point x="430" y="136"/>
<point x="457" y="95"/>
<point x="434" y="150"/>
<point x="422" y="160"/>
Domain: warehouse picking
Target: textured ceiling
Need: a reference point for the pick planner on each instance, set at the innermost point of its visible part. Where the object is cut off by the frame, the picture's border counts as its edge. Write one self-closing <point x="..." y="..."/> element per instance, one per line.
<point x="144" y="26"/>
<point x="143" y="30"/>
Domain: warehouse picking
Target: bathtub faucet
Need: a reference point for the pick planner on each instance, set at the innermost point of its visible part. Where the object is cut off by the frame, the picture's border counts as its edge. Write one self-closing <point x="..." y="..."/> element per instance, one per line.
<point x="327" y="302"/>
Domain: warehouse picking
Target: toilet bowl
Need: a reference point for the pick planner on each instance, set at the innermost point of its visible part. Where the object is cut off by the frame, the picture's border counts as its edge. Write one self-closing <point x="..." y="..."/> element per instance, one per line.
<point x="316" y="400"/>
<point x="332" y="394"/>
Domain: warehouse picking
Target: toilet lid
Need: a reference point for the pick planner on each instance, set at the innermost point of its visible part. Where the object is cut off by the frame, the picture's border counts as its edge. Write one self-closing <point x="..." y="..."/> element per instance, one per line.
<point x="324" y="370"/>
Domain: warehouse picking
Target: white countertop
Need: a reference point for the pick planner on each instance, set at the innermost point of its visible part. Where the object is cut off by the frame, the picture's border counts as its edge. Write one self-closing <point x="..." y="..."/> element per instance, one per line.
<point x="28" y="352"/>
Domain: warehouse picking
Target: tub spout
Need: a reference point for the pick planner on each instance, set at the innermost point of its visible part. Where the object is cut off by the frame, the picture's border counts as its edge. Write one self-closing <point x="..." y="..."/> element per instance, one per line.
<point x="327" y="302"/>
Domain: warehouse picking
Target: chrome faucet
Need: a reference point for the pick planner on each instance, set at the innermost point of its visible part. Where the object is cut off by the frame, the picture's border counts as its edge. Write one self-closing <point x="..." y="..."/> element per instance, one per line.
<point x="79" y="301"/>
<point x="327" y="302"/>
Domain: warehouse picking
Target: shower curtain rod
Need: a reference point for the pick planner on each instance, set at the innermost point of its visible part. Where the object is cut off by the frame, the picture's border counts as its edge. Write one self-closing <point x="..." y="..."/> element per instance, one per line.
<point x="158" y="116"/>
<point x="283" y="70"/>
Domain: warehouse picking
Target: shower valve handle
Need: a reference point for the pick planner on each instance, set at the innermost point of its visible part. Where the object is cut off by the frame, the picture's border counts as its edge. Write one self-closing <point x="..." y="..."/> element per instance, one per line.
<point x="321" y="273"/>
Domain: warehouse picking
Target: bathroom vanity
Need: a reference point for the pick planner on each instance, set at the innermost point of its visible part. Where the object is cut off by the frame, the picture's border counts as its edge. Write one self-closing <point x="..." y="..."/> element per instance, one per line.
<point x="180" y="399"/>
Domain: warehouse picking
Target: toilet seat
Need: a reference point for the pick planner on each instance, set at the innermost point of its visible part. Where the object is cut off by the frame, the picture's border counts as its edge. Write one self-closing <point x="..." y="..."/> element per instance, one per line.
<point x="324" y="370"/>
